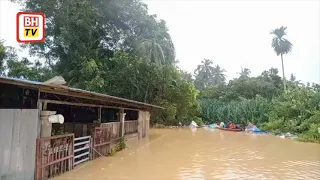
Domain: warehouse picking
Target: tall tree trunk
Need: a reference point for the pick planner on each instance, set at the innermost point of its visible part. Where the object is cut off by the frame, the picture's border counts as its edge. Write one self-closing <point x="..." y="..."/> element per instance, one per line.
<point x="283" y="76"/>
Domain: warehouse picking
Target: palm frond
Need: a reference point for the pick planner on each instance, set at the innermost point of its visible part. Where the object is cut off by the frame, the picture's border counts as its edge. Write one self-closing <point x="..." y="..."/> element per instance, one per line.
<point x="279" y="44"/>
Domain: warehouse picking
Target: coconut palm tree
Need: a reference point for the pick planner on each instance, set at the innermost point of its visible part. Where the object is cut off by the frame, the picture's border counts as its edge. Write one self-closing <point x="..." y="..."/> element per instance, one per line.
<point x="204" y="73"/>
<point x="157" y="47"/>
<point x="281" y="46"/>
<point x="218" y="75"/>
<point x="245" y="72"/>
<point x="156" y="51"/>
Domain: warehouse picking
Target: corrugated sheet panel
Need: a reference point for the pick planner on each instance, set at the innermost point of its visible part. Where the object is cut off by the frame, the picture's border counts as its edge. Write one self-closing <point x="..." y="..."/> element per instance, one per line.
<point x="21" y="80"/>
<point x="18" y="133"/>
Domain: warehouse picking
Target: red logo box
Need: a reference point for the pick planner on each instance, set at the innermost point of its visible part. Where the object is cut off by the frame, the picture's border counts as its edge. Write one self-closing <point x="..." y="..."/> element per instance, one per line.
<point x="30" y="27"/>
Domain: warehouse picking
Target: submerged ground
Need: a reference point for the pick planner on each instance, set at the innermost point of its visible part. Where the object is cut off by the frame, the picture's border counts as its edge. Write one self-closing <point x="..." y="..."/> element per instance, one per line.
<point x="205" y="154"/>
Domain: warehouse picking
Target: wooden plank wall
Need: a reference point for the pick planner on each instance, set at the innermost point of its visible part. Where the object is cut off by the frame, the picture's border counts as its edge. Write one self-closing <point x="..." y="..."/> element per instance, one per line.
<point x="18" y="133"/>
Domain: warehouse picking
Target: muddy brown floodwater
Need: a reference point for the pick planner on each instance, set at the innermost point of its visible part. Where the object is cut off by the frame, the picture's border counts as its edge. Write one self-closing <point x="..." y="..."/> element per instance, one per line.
<point x="205" y="154"/>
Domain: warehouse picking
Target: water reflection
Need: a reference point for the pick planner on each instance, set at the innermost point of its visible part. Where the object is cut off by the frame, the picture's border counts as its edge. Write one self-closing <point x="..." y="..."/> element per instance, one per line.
<point x="221" y="135"/>
<point x="205" y="154"/>
<point x="193" y="130"/>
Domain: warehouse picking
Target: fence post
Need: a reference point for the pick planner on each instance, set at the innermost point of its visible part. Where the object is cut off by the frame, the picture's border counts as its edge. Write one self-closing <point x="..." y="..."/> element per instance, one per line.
<point x="38" y="160"/>
<point x="140" y="121"/>
<point x="122" y="118"/>
<point x="91" y="150"/>
<point x="147" y="124"/>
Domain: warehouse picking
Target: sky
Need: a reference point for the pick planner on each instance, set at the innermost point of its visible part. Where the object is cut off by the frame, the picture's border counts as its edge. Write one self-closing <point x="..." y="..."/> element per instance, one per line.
<point x="232" y="33"/>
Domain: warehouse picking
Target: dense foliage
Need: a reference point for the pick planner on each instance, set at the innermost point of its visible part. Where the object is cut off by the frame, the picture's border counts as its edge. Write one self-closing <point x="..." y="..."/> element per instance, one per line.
<point x="112" y="47"/>
<point x="116" y="47"/>
<point x="262" y="101"/>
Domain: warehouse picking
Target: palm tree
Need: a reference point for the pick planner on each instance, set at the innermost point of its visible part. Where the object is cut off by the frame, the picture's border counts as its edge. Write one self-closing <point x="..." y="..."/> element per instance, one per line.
<point x="293" y="78"/>
<point x="281" y="46"/>
<point x="245" y="72"/>
<point x="218" y="75"/>
<point x="204" y="72"/>
<point x="151" y="51"/>
<point x="157" y="48"/>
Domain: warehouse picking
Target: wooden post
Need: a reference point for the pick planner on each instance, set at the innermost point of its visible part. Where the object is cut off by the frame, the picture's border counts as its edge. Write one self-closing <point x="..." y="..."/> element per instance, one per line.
<point x="44" y="106"/>
<point x="39" y="120"/>
<point x="140" y="121"/>
<point x="39" y="105"/>
<point x="85" y="130"/>
<point x="99" y="114"/>
<point x="147" y="127"/>
<point x="45" y="131"/>
<point x="122" y="116"/>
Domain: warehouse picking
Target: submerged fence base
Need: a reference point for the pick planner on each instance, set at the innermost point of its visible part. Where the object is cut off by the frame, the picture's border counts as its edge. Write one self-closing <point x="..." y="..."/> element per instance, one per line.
<point x="54" y="156"/>
<point x="104" y="138"/>
<point x="57" y="154"/>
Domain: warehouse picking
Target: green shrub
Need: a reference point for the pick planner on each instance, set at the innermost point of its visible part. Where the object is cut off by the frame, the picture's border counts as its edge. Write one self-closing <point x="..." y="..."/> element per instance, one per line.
<point x="296" y="111"/>
<point x="121" y="145"/>
<point x="309" y="128"/>
<point x="312" y="135"/>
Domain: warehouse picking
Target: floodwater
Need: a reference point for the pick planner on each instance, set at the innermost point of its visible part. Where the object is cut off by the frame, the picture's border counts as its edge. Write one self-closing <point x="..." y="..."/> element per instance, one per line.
<point x="205" y="154"/>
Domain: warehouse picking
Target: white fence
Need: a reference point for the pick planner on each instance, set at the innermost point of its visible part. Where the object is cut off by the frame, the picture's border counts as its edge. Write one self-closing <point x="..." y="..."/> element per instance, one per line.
<point x="82" y="149"/>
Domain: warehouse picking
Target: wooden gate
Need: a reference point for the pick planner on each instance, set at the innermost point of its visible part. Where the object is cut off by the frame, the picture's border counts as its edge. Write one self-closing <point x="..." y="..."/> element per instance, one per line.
<point x="82" y="149"/>
<point x="54" y="156"/>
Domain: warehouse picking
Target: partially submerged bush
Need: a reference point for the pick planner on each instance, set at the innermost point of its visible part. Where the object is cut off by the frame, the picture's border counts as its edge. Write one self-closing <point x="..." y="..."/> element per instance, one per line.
<point x="312" y="135"/>
<point x="121" y="145"/>
<point x="296" y="111"/>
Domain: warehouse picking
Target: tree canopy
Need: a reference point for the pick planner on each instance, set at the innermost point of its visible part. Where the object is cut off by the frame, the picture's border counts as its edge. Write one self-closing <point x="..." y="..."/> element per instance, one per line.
<point x="112" y="47"/>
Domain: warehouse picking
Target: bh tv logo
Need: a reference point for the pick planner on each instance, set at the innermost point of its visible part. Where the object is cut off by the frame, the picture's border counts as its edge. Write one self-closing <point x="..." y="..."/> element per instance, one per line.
<point x="30" y="27"/>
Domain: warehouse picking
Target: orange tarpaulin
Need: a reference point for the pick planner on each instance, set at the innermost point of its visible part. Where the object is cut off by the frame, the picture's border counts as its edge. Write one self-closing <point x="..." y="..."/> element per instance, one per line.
<point x="232" y="126"/>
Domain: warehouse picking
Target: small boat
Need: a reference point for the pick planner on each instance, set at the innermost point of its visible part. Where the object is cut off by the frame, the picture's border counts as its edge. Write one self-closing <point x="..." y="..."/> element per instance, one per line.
<point x="228" y="129"/>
